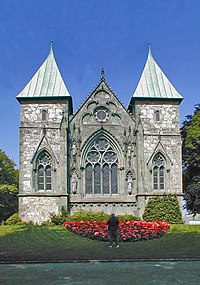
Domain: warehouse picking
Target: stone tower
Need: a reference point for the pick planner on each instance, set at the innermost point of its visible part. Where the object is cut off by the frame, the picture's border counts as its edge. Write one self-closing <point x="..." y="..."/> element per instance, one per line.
<point x="103" y="157"/>
<point x="155" y="106"/>
<point x="45" y="108"/>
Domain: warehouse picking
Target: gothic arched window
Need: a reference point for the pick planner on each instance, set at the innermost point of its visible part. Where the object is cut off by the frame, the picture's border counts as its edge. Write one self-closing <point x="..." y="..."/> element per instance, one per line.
<point x="158" y="172"/>
<point x="101" y="169"/>
<point x="43" y="169"/>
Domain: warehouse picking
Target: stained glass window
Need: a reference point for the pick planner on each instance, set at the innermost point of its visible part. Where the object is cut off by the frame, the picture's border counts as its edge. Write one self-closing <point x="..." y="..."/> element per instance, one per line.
<point x="155" y="177"/>
<point x="159" y="172"/>
<point x="162" y="177"/>
<point x="114" y="184"/>
<point x="101" y="172"/>
<point x="97" y="179"/>
<point x="44" y="171"/>
<point x="88" y="179"/>
<point x="41" y="178"/>
<point x="106" y="179"/>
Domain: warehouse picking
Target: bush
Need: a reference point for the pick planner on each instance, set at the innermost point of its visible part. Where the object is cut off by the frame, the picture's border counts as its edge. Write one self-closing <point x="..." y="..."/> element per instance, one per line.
<point x="164" y="208"/>
<point x="14" y="220"/>
<point x="88" y="216"/>
<point x="59" y="219"/>
<point x="8" y="201"/>
<point x="100" y="216"/>
<point x="128" y="218"/>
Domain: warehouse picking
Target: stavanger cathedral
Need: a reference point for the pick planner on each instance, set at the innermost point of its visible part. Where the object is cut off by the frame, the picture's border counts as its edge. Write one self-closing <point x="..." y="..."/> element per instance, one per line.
<point x="105" y="157"/>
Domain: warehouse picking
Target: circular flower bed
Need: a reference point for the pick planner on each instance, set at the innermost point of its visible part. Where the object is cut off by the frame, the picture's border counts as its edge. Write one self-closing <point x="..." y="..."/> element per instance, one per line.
<point x="128" y="231"/>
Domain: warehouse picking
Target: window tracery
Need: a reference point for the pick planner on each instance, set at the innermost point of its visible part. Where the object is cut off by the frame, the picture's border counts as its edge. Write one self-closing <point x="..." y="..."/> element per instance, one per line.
<point x="43" y="170"/>
<point x="158" y="172"/>
<point x="101" y="171"/>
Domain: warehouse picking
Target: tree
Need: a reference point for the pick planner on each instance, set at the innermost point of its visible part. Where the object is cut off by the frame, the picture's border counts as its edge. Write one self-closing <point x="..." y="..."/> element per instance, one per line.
<point x="192" y="196"/>
<point x="190" y="132"/>
<point x="8" y="201"/>
<point x="8" y="187"/>
<point x="8" y="173"/>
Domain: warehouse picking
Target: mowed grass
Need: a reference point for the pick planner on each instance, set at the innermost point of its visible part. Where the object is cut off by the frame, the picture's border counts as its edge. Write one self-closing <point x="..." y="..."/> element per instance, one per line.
<point x="56" y="244"/>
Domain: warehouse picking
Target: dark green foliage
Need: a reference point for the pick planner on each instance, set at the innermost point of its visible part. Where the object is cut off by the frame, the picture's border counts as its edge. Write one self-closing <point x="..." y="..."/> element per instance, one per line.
<point x="8" y="173"/>
<point x="8" y="187"/>
<point x="86" y="216"/>
<point x="128" y="218"/>
<point x="193" y="196"/>
<point x="8" y="201"/>
<point x="165" y="208"/>
<point x="190" y="132"/>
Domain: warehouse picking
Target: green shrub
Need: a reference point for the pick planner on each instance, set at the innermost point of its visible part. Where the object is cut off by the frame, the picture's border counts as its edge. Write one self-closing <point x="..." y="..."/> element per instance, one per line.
<point x="14" y="220"/>
<point x="88" y="216"/>
<point x="59" y="219"/>
<point x="82" y="215"/>
<point x="128" y="218"/>
<point x="8" y="201"/>
<point x="165" y="208"/>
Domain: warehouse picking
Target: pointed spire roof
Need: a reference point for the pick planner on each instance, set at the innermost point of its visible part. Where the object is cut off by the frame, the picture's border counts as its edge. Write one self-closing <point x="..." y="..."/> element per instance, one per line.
<point x="47" y="81"/>
<point x="154" y="83"/>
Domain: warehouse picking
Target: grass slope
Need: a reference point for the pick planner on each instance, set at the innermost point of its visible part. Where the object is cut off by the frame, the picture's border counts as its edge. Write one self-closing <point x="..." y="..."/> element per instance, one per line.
<point x="55" y="243"/>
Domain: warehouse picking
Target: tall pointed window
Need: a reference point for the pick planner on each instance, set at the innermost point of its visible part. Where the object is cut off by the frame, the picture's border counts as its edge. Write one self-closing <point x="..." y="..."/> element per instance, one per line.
<point x="157" y="115"/>
<point x="43" y="168"/>
<point x="101" y="170"/>
<point x="158" y="172"/>
<point x="44" y="115"/>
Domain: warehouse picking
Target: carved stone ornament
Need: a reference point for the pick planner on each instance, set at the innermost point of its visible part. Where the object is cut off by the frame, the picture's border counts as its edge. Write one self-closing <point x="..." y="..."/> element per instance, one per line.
<point x="74" y="182"/>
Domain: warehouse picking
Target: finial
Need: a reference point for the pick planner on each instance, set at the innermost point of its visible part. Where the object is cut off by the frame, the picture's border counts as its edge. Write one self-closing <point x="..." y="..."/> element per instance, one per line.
<point x="102" y="74"/>
<point x="149" y="44"/>
<point x="51" y="46"/>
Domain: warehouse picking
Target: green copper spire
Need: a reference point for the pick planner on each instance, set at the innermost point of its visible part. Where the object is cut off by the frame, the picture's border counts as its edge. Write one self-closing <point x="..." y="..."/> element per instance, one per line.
<point x="47" y="81"/>
<point x="154" y="83"/>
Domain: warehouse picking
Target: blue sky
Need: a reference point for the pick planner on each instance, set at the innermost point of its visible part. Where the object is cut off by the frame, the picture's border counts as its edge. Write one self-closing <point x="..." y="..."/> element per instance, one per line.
<point x="88" y="35"/>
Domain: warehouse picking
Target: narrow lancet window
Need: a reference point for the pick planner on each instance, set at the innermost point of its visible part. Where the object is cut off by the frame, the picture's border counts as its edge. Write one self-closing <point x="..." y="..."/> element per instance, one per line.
<point x="44" y="170"/>
<point x="44" y="115"/>
<point x="158" y="172"/>
<point x="157" y="115"/>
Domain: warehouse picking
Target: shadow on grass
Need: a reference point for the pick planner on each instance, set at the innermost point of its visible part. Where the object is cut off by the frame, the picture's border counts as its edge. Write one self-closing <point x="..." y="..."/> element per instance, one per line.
<point x="56" y="244"/>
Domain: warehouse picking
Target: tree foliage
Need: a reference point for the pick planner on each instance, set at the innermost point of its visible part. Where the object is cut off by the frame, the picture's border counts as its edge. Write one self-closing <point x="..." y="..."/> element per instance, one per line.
<point x="8" y="201"/>
<point x="8" y="173"/>
<point x="193" y="195"/>
<point x="190" y="132"/>
<point x="8" y="187"/>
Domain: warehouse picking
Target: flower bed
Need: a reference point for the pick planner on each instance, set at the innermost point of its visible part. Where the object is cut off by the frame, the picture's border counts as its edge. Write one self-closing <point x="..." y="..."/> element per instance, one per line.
<point x="128" y="231"/>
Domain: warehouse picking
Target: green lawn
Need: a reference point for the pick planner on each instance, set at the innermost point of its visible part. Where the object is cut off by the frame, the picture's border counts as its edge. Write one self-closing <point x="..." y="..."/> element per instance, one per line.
<point x="55" y="243"/>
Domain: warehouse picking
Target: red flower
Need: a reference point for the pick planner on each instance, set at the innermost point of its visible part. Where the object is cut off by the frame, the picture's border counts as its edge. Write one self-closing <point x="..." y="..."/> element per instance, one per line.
<point x="128" y="231"/>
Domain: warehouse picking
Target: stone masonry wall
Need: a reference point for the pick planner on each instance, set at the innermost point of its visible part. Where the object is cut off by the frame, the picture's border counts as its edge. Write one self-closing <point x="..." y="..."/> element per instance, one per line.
<point x="35" y="134"/>
<point x="166" y="131"/>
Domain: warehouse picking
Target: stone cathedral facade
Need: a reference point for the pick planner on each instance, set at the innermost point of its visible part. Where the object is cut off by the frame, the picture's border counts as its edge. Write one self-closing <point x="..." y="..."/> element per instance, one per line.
<point x="104" y="156"/>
